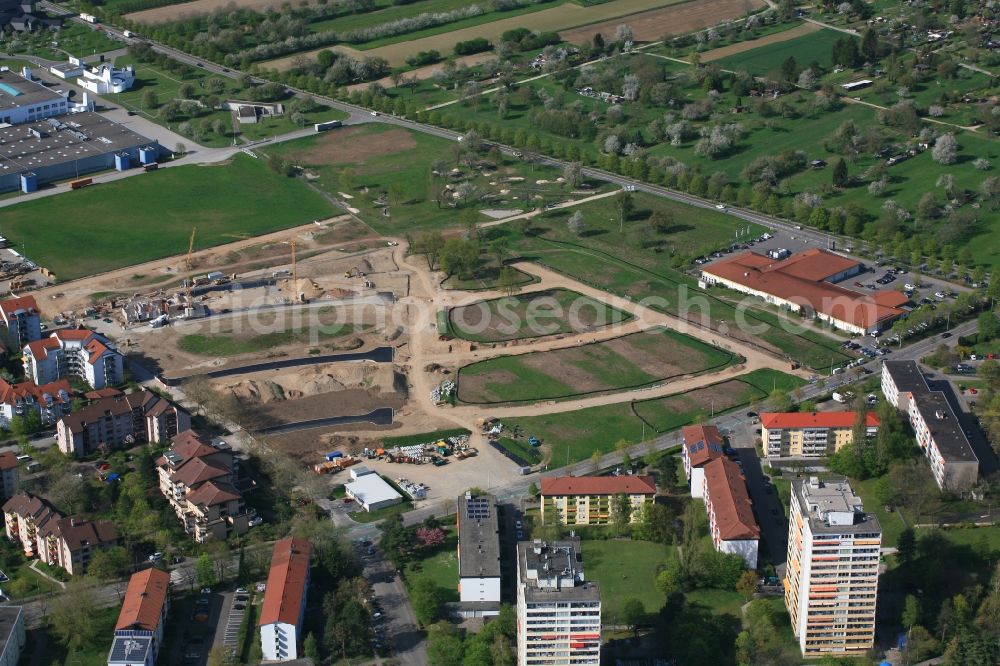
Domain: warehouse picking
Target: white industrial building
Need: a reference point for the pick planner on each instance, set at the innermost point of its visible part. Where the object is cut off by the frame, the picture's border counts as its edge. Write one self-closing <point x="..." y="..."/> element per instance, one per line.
<point x="479" y="554"/>
<point x="105" y="79"/>
<point x="558" y="611"/>
<point x="372" y="492"/>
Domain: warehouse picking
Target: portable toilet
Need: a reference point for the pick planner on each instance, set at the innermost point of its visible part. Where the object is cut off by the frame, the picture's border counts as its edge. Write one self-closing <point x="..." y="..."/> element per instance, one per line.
<point x="122" y="162"/>
<point x="147" y="155"/>
<point x="29" y="182"/>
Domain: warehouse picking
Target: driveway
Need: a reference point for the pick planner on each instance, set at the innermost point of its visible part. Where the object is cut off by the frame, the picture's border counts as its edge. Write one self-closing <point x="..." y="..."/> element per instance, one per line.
<point x="398" y="628"/>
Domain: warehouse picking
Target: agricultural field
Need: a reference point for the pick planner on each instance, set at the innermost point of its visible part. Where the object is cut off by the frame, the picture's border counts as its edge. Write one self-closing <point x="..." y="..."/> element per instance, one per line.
<point x="388" y="174"/>
<point x="531" y="315"/>
<point x="247" y="199"/>
<point x="631" y="361"/>
<point x="766" y="59"/>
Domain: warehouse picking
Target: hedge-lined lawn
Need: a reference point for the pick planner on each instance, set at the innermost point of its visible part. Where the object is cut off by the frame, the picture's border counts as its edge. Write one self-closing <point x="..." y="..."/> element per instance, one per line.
<point x="570" y="437"/>
<point x="624" y="569"/>
<point x="438" y="565"/>
<point x="630" y="361"/>
<point x="150" y="216"/>
<point x="532" y="315"/>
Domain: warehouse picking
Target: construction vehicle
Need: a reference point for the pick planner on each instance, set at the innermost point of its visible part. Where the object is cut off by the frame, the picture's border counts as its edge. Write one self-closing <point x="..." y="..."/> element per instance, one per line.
<point x="354" y="272"/>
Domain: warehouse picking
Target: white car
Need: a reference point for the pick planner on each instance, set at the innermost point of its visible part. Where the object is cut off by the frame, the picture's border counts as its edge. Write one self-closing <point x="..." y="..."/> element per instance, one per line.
<point x="156" y="557"/>
<point x="255" y="521"/>
<point x="720" y="206"/>
<point x="909" y="287"/>
<point x="939" y="294"/>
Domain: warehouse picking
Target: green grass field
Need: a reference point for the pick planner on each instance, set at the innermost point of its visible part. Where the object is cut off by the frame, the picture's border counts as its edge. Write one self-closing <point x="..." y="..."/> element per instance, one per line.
<point x="532" y="315"/>
<point x="438" y="565"/>
<point x="423" y="437"/>
<point x="73" y="39"/>
<point x="664" y="414"/>
<point x="150" y="216"/>
<point x="378" y="162"/>
<point x="569" y="437"/>
<point x="767" y="59"/>
<point x="625" y="362"/>
<point x="624" y="570"/>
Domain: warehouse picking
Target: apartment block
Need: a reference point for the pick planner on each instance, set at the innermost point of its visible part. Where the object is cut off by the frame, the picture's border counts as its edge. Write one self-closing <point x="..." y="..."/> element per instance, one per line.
<point x="12" y="638"/>
<point x="939" y="433"/>
<point x="731" y="522"/>
<point x="10" y="475"/>
<point x="22" y="320"/>
<point x="810" y="434"/>
<point x="558" y="610"/>
<point x="198" y="480"/>
<point x="79" y="353"/>
<point x="478" y="555"/>
<point x="702" y="444"/>
<point x="831" y="576"/>
<point x="284" y="607"/>
<point x="586" y="500"/>
<point x="120" y="420"/>
<point x="49" y="401"/>
<point x="42" y="532"/>
<point x="140" y="626"/>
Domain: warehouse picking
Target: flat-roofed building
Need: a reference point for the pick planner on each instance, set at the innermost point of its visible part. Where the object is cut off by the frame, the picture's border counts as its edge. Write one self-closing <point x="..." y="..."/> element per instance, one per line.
<point x="810" y="434"/>
<point x="701" y="445"/>
<point x="12" y="636"/>
<point x="284" y="606"/>
<point x="831" y="576"/>
<point x="803" y="283"/>
<point x="731" y="522"/>
<point x="140" y="626"/>
<point x="23" y="101"/>
<point x="479" y="552"/>
<point x="372" y="492"/>
<point x="587" y="500"/>
<point x="939" y="433"/>
<point x="558" y="610"/>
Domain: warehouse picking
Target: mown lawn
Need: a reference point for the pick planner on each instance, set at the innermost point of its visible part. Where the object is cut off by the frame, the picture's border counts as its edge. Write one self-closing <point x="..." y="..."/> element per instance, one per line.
<point x="625" y="569"/>
<point x="438" y="565"/>
<point x="150" y="216"/>
<point x="423" y="438"/>
<point x="572" y="436"/>
<point x="767" y="59"/>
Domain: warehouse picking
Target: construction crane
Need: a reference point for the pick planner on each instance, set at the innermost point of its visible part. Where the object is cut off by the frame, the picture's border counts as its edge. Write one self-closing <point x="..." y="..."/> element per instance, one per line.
<point x="189" y="281"/>
<point x="190" y="247"/>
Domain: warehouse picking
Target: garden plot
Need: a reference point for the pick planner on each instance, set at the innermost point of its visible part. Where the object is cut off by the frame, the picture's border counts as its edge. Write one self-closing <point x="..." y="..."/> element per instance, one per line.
<point x="536" y="314"/>
<point x="630" y="361"/>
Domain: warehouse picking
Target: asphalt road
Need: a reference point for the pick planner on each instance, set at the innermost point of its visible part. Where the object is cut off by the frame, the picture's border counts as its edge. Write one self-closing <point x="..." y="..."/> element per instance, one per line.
<point x="380" y="416"/>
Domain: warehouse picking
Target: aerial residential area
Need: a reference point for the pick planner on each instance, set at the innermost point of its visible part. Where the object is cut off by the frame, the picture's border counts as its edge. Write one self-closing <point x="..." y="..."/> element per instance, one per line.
<point x="506" y="333"/>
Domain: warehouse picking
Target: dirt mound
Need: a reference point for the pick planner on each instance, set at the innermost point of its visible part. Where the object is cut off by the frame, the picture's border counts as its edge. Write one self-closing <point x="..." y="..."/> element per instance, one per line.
<point x="317" y="380"/>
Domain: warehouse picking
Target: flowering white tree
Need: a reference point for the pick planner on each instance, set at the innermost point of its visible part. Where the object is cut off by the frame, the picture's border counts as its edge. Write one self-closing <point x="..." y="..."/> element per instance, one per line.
<point x="945" y="149"/>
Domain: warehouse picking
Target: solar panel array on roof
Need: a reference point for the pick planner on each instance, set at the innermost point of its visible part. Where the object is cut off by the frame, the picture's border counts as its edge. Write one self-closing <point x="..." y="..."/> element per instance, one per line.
<point x="477" y="508"/>
<point x="130" y="649"/>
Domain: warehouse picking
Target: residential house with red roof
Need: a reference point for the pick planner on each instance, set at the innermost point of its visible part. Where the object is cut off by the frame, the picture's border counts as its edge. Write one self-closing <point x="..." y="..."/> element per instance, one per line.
<point x="49" y="401"/>
<point x="731" y="522"/>
<point x="804" y="283"/>
<point x="701" y="445"/>
<point x="22" y="319"/>
<point x="284" y="606"/>
<point x="9" y="475"/>
<point x="42" y="532"/>
<point x="121" y="420"/>
<point x="139" y="630"/>
<point x="811" y="434"/>
<point x="77" y="352"/>
<point x="587" y="500"/>
<point x="198" y="481"/>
